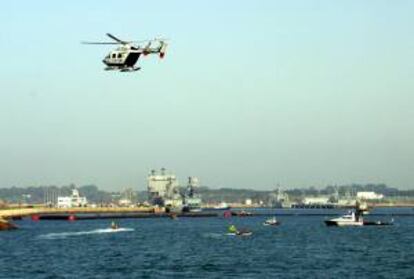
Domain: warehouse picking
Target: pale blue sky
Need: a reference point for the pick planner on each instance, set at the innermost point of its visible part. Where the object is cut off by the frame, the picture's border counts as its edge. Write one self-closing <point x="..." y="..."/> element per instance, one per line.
<point x="250" y="94"/>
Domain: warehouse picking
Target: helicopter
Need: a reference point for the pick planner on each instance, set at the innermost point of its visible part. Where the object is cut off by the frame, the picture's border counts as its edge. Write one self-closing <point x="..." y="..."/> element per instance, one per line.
<point x="124" y="57"/>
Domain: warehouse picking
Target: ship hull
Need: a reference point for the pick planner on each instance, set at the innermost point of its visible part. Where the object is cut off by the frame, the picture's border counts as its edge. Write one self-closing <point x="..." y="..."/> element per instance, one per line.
<point x="334" y="223"/>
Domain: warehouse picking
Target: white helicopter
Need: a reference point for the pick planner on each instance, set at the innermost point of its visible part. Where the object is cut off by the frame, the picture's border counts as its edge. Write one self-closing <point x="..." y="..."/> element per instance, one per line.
<point x="127" y="54"/>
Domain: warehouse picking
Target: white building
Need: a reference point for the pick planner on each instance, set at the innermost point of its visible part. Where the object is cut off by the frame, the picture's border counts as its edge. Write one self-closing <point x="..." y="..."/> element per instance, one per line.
<point x="125" y="202"/>
<point x="369" y="196"/>
<point x="75" y="200"/>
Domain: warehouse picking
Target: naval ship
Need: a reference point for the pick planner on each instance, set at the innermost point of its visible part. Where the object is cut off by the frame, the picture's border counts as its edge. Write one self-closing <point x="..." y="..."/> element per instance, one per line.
<point x="165" y="191"/>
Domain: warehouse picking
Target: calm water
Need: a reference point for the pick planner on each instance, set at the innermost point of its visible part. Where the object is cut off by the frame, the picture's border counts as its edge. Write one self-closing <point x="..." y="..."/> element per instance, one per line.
<point x="302" y="247"/>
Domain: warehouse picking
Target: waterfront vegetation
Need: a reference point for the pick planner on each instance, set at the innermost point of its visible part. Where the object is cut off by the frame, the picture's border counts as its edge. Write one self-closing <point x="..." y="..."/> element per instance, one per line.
<point x="40" y="194"/>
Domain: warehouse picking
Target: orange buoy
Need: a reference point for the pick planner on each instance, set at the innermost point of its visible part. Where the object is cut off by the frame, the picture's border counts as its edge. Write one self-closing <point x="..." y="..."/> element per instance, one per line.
<point x="35" y="217"/>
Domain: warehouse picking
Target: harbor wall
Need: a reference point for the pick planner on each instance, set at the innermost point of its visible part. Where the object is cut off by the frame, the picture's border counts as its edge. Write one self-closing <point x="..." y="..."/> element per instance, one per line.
<point x="21" y="212"/>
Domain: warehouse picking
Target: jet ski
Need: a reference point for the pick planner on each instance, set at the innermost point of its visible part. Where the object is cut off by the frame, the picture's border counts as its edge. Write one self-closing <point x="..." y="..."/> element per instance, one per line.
<point x="244" y="232"/>
<point x="114" y="225"/>
<point x="232" y="230"/>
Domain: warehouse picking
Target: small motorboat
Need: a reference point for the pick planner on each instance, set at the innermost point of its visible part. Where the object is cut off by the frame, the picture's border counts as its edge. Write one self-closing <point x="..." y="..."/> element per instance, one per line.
<point x="356" y="219"/>
<point x="222" y="206"/>
<point x="271" y="222"/>
<point x="350" y="219"/>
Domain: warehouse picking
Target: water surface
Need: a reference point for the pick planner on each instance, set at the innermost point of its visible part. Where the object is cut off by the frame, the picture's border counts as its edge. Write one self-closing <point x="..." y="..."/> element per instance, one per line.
<point x="302" y="247"/>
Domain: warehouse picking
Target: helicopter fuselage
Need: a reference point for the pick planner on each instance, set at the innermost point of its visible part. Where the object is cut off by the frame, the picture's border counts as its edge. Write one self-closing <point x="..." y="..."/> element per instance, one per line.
<point x="122" y="57"/>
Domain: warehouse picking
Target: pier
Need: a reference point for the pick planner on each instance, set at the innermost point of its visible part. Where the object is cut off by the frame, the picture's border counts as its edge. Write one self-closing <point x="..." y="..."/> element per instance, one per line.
<point x="85" y="213"/>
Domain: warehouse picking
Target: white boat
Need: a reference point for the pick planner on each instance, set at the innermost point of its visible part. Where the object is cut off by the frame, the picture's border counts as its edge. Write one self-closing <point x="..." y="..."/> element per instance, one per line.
<point x="271" y="222"/>
<point x="350" y="219"/>
<point x="222" y="206"/>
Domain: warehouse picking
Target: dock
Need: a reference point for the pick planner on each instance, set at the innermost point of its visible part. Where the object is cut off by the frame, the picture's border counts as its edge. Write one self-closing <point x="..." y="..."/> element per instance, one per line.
<point x="87" y="213"/>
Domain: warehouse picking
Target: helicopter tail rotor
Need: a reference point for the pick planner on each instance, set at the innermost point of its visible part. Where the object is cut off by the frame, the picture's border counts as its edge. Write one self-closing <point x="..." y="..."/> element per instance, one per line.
<point x="163" y="48"/>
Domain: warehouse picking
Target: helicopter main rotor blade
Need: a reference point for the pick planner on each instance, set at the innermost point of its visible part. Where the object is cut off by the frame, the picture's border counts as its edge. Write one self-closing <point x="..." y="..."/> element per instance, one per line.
<point x="140" y="41"/>
<point x="161" y="39"/>
<point x="116" y="39"/>
<point x="99" y="43"/>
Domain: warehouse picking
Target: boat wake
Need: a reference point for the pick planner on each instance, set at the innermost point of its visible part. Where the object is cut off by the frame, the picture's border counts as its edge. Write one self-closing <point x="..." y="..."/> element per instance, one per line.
<point x="212" y="235"/>
<point x="72" y="234"/>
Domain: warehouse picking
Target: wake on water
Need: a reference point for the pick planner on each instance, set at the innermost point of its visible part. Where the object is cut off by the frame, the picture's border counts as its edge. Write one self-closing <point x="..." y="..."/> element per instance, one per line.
<point x="212" y="235"/>
<point x="70" y="234"/>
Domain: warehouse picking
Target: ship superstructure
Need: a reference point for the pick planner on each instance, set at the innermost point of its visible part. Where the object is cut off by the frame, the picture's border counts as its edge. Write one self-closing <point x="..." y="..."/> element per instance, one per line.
<point x="164" y="190"/>
<point x="280" y="199"/>
<point x="192" y="200"/>
<point x="162" y="186"/>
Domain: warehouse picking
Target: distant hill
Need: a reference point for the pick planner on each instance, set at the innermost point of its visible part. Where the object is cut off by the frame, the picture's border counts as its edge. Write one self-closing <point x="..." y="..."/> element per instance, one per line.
<point x="40" y="194"/>
<point x="240" y="195"/>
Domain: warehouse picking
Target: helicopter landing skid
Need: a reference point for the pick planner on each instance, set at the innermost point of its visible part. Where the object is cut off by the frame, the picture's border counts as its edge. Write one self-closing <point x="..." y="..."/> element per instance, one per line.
<point x="111" y="68"/>
<point x="132" y="69"/>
